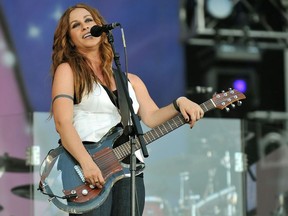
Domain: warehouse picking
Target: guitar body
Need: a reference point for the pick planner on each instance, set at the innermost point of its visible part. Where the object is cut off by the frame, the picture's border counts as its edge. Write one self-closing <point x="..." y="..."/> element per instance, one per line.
<point x="62" y="176"/>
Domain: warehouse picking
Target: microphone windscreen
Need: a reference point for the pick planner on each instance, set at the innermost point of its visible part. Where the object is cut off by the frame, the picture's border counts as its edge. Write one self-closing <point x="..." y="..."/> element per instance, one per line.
<point x="96" y="31"/>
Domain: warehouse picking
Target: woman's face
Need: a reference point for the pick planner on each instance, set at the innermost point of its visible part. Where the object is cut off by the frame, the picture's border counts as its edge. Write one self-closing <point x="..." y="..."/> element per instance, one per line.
<point x="80" y="23"/>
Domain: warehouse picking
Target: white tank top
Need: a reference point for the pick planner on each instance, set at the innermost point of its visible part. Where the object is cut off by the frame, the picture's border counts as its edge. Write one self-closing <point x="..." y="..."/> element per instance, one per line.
<point x="96" y="114"/>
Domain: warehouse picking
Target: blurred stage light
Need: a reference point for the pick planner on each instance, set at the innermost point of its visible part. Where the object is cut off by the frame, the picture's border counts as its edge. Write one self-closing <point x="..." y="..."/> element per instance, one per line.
<point x="243" y="79"/>
<point x="219" y="9"/>
<point x="240" y="84"/>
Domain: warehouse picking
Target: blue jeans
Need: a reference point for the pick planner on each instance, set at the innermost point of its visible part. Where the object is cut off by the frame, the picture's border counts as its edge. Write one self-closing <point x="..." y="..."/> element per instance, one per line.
<point x="118" y="202"/>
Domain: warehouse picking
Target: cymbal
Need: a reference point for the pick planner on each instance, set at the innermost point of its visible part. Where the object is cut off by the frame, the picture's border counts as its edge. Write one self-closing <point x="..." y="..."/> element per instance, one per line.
<point x="13" y="164"/>
<point x="25" y="191"/>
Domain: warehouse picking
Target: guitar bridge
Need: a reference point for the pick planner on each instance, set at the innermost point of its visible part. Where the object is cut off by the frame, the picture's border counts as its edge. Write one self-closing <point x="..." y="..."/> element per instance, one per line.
<point x="79" y="172"/>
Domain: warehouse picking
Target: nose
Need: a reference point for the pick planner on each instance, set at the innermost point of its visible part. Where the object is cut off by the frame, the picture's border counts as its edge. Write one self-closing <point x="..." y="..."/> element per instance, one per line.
<point x="85" y="27"/>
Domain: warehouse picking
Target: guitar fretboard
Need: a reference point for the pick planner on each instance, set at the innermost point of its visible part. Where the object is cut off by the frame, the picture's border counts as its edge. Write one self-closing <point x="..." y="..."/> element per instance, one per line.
<point x="124" y="150"/>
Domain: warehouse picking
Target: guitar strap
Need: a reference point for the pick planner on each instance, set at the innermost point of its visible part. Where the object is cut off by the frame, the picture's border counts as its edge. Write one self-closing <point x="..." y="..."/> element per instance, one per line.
<point x="123" y="106"/>
<point x="118" y="96"/>
<point x="113" y="96"/>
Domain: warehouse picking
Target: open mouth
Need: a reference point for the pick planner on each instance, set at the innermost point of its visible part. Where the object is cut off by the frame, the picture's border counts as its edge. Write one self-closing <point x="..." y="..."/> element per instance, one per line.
<point x="87" y="35"/>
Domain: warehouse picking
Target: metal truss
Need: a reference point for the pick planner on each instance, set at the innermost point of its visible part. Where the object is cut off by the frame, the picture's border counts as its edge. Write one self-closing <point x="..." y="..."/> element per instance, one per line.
<point x="259" y="23"/>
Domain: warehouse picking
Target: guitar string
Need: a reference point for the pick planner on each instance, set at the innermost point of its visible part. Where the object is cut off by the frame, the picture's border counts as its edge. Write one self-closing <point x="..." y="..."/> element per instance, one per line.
<point x="122" y="151"/>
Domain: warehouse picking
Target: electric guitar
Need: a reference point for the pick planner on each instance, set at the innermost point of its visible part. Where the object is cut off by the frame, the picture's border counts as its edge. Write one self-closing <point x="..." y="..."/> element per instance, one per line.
<point x="62" y="179"/>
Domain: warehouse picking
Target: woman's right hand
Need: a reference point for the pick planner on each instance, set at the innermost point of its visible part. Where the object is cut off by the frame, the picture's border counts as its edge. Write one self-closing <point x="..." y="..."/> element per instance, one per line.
<point x="93" y="174"/>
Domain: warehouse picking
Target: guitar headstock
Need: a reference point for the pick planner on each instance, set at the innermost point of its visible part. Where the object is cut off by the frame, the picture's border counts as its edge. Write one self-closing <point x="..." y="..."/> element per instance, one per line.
<point x="224" y="99"/>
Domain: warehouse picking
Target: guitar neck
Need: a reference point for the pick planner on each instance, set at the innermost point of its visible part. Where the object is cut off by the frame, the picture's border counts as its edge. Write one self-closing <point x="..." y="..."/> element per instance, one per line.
<point x="124" y="150"/>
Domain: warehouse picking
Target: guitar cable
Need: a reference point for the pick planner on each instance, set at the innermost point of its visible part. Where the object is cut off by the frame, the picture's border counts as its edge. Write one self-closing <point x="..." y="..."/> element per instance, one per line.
<point x="52" y="196"/>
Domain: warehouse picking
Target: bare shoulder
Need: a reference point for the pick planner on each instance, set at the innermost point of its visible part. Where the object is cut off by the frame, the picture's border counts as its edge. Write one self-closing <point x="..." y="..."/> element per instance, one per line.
<point x="64" y="68"/>
<point x="134" y="79"/>
<point x="63" y="80"/>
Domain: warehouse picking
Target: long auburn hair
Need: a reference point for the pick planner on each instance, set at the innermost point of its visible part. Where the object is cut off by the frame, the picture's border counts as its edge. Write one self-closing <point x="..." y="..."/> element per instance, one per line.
<point x="64" y="51"/>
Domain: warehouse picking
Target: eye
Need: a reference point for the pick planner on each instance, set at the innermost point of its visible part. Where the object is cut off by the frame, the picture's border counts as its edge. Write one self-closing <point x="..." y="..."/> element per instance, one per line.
<point x="75" y="25"/>
<point x="88" y="20"/>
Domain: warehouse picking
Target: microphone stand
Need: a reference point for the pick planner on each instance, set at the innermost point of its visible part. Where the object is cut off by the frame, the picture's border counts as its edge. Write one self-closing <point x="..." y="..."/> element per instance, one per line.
<point x="135" y="129"/>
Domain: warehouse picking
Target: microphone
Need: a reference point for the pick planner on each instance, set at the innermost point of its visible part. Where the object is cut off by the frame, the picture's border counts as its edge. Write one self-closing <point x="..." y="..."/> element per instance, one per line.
<point x="96" y="30"/>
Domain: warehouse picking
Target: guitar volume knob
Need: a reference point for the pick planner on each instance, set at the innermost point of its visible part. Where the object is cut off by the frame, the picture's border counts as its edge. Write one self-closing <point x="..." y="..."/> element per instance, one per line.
<point x="84" y="192"/>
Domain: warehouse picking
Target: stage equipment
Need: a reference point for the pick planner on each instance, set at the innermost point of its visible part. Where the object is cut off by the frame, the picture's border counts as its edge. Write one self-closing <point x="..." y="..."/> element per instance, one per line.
<point x="282" y="208"/>
<point x="269" y="134"/>
<point x="207" y="22"/>
<point x="219" y="9"/>
<point x="248" y="37"/>
<point x="25" y="191"/>
<point x="213" y="202"/>
<point x="156" y="206"/>
<point x="13" y="164"/>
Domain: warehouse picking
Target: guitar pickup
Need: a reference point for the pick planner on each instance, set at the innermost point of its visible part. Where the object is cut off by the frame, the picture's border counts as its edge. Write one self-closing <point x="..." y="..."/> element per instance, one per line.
<point x="79" y="173"/>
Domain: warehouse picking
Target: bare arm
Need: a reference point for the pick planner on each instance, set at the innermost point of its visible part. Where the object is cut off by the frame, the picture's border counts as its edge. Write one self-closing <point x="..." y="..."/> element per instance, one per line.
<point x="63" y="116"/>
<point x="153" y="116"/>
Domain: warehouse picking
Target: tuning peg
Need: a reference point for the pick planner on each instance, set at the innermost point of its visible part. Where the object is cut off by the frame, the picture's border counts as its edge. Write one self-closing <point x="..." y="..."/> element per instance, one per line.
<point x="233" y="106"/>
<point x="227" y="109"/>
<point x="239" y="103"/>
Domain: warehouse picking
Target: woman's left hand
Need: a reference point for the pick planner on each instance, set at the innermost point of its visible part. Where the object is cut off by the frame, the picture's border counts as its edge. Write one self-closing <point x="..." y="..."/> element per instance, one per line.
<point x="190" y="110"/>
